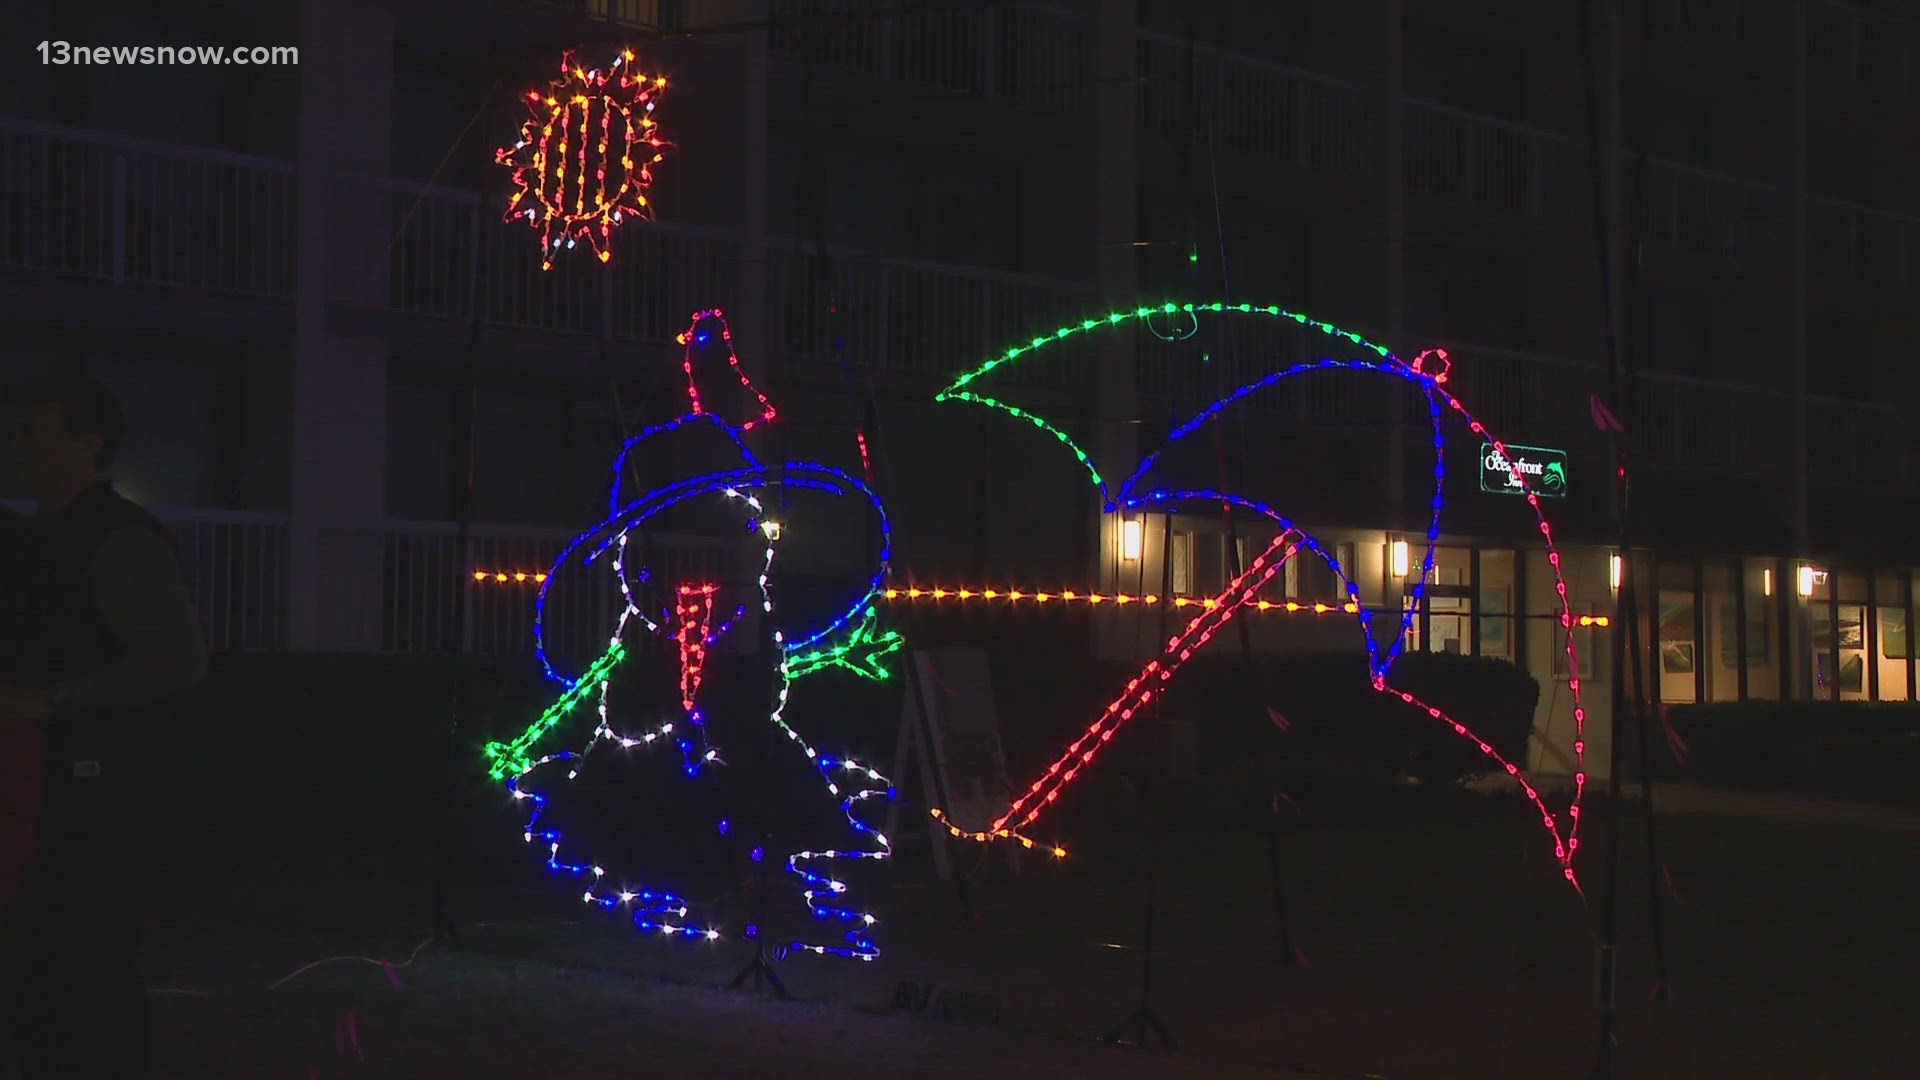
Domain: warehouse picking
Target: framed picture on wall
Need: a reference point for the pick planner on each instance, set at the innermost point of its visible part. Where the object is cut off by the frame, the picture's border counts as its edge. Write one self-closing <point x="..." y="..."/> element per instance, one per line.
<point x="1894" y="643"/>
<point x="1676" y="657"/>
<point x="1852" y="633"/>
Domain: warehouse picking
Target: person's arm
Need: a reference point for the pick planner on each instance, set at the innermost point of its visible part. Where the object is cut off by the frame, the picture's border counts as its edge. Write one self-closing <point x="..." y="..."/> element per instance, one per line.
<point x="139" y="590"/>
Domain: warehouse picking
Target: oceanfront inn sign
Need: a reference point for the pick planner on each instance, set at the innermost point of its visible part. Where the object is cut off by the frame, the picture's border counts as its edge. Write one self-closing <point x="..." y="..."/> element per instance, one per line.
<point x="1545" y="470"/>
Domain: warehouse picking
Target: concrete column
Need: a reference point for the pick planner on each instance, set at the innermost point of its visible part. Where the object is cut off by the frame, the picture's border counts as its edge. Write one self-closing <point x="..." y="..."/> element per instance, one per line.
<point x="1114" y="179"/>
<point x="338" y="383"/>
<point x="1393" y="103"/>
<point x="1801" y="637"/>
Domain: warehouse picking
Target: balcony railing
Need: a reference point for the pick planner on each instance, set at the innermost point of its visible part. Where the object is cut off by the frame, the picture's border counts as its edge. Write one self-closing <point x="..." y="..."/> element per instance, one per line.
<point x="1693" y="424"/>
<point x="1023" y="52"/>
<point x="1865" y="48"/>
<point x="1701" y="212"/>
<point x="920" y="320"/>
<point x="1861" y="245"/>
<point x="644" y="14"/>
<point x="1862" y="448"/>
<point x="1307" y="121"/>
<point x="658" y="272"/>
<point x="1488" y="163"/>
<point x="133" y="211"/>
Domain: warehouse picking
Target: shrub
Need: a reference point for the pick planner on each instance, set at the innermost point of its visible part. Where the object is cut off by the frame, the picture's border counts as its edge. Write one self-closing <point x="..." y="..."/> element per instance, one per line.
<point x="1837" y="747"/>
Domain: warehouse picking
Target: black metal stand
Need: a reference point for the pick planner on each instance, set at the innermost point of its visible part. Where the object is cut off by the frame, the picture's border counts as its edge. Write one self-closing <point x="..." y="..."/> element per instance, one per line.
<point x="1630" y="700"/>
<point x="760" y="968"/>
<point x="1280" y="913"/>
<point x="1144" y="1029"/>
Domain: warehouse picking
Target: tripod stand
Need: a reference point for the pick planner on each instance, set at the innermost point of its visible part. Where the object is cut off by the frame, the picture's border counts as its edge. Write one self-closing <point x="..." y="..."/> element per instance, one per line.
<point x="760" y="967"/>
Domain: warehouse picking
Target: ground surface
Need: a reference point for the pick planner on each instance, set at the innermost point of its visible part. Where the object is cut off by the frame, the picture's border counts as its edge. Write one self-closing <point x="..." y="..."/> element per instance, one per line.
<point x="1443" y="950"/>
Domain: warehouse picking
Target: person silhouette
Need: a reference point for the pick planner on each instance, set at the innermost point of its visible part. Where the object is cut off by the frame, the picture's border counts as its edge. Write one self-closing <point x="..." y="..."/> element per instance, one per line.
<point x="103" y="639"/>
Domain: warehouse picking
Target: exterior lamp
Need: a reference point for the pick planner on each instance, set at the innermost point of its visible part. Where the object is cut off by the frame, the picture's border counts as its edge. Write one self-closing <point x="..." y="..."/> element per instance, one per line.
<point x="1766" y="581"/>
<point x="1132" y="532"/>
<point x="1615" y="567"/>
<point x="1804" y="580"/>
<point x="1397" y="558"/>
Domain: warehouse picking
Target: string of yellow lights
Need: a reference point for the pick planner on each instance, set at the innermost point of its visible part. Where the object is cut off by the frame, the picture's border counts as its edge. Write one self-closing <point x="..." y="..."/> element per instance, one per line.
<point x="1013" y="597"/>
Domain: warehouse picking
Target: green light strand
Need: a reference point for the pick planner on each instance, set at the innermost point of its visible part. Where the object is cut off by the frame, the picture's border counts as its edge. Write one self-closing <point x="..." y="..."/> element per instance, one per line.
<point x="516" y="757"/>
<point x="1114" y="318"/>
<point x="862" y="651"/>
<point x="1021" y="414"/>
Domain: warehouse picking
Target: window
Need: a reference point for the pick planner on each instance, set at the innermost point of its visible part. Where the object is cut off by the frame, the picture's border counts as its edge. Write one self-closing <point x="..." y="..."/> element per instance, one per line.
<point x="1838" y="639"/>
<point x="1677" y="658"/>
<point x="1893" y="644"/>
<point x="1445" y="624"/>
<point x="1182" y="563"/>
<point x="1494" y="628"/>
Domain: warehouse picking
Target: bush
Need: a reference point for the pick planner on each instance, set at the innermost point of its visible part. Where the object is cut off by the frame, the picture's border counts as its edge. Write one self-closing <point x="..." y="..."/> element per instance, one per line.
<point x="1836" y="747"/>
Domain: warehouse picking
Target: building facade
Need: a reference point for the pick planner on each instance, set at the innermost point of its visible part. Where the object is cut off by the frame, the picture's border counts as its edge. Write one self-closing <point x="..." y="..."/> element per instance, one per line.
<point x="295" y="272"/>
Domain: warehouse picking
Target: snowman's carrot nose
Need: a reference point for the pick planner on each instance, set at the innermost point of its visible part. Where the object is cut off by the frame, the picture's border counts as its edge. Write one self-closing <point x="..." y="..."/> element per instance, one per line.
<point x="693" y="624"/>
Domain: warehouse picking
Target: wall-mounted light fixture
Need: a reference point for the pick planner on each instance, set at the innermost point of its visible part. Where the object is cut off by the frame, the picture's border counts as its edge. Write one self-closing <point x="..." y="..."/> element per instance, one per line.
<point x="1804" y="580"/>
<point x="1766" y="581"/>
<point x="1397" y="558"/>
<point x="1132" y="534"/>
<point x="1616" y="566"/>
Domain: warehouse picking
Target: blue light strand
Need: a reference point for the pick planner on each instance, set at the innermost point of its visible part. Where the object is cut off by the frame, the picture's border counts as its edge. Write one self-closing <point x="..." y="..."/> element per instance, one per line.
<point x="626" y="448"/>
<point x="1378" y="664"/>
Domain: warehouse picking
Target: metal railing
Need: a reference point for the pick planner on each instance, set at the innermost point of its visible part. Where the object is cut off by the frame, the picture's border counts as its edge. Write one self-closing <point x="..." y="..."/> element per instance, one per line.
<point x="1859" y="244"/>
<point x="236" y="564"/>
<point x="1866" y="48"/>
<point x="1014" y="52"/>
<point x="1309" y="121"/>
<point x="136" y="211"/>
<point x="426" y="572"/>
<point x="1862" y="448"/>
<point x="645" y="14"/>
<point x="920" y="320"/>
<point x="1702" y="212"/>
<point x="658" y="272"/>
<point x="1695" y="424"/>
<point x="1488" y="163"/>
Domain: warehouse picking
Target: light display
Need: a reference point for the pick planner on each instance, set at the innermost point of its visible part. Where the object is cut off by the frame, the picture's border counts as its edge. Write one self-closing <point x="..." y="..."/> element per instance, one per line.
<point x="583" y="162"/>
<point x="1428" y="373"/>
<point x="692" y="623"/>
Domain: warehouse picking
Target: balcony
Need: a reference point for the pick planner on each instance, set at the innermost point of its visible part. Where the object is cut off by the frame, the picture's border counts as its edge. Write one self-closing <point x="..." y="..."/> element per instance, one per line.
<point x="1308" y="122"/>
<point x="1858" y="245"/>
<point x="1026" y="53"/>
<point x="1865" y="49"/>
<point x="108" y="208"/>
<point x="1702" y="213"/>
<point x="436" y="249"/>
<point x="919" y="322"/>
<point x="1490" y="164"/>
<point x="1864" y="448"/>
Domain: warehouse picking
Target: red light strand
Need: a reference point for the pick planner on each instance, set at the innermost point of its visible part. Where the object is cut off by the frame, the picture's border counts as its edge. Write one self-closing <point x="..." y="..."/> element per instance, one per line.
<point x="691" y="336"/>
